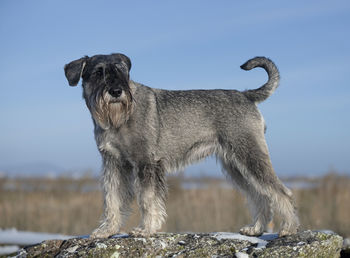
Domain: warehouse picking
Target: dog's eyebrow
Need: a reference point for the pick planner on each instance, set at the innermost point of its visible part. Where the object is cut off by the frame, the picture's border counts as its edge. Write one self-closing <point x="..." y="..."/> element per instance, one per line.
<point x="122" y="66"/>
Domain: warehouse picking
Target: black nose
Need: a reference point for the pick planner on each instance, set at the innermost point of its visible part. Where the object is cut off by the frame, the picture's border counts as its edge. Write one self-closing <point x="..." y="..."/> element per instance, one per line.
<point x="115" y="92"/>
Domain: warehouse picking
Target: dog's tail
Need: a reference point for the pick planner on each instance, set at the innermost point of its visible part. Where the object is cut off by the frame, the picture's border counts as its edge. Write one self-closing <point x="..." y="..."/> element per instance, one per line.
<point x="262" y="93"/>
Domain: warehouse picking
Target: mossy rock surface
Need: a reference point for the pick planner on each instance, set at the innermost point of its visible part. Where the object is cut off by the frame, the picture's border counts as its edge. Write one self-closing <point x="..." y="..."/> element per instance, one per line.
<point x="303" y="244"/>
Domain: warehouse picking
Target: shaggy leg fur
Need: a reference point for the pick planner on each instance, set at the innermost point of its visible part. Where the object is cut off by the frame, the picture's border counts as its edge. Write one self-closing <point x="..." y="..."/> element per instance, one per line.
<point x="250" y="167"/>
<point x="118" y="193"/>
<point x="259" y="205"/>
<point x="151" y="199"/>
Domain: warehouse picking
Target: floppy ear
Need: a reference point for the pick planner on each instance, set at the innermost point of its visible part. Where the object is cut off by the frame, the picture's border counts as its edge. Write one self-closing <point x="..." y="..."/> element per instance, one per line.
<point x="74" y="70"/>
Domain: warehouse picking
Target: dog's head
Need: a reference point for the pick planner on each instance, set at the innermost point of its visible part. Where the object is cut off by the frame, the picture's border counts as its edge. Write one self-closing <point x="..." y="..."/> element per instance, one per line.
<point x="106" y="90"/>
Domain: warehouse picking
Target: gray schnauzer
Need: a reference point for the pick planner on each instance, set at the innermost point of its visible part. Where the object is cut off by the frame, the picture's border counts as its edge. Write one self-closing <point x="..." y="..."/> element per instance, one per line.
<point x="142" y="132"/>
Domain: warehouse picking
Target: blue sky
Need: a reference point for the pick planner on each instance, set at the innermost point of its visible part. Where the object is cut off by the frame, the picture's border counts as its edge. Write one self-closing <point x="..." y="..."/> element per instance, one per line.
<point x="177" y="45"/>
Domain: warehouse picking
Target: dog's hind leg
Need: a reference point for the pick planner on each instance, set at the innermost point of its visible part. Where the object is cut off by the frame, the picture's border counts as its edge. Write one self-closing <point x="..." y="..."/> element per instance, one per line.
<point x="117" y="184"/>
<point x="152" y="191"/>
<point x="259" y="205"/>
<point x="248" y="163"/>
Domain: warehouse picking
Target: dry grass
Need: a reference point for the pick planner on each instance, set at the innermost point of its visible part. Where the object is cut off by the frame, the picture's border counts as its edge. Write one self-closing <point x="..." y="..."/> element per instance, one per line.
<point x="48" y="205"/>
<point x="74" y="207"/>
<point x="326" y="206"/>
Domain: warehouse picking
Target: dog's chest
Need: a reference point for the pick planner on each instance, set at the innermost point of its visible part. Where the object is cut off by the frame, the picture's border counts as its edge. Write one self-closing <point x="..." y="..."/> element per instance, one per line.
<point x="107" y="142"/>
<point x="114" y="143"/>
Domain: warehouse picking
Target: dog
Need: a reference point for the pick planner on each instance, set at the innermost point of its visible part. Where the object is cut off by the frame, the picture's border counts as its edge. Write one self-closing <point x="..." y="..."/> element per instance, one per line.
<point x="143" y="132"/>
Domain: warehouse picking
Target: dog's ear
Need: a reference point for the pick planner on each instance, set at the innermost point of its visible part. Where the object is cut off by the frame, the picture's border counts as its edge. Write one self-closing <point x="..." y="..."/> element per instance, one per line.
<point x="125" y="62"/>
<point x="74" y="70"/>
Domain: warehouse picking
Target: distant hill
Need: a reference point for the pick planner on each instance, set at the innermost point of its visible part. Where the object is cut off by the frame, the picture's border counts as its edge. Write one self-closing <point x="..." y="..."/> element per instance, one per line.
<point x="40" y="169"/>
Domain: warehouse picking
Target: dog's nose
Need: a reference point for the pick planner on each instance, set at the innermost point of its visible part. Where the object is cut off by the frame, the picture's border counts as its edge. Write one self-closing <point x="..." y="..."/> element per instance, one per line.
<point x="115" y="92"/>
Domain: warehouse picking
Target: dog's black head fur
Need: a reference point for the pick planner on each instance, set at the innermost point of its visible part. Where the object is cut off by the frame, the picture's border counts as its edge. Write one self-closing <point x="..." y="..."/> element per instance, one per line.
<point x="112" y="70"/>
<point x="105" y="83"/>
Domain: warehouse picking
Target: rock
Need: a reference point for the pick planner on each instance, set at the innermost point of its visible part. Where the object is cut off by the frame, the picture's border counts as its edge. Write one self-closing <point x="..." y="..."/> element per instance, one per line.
<point x="303" y="244"/>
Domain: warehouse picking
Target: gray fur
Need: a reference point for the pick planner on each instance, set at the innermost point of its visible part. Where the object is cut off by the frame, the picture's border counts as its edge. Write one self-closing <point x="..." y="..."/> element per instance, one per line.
<point x="142" y="133"/>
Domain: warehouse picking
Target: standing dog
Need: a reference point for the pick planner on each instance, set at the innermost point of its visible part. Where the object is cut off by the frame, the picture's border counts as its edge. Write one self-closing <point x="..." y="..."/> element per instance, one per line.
<point x="142" y="132"/>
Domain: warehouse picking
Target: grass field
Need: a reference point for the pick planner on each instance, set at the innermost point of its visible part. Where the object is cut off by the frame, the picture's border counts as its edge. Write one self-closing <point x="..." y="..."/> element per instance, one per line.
<point x="74" y="206"/>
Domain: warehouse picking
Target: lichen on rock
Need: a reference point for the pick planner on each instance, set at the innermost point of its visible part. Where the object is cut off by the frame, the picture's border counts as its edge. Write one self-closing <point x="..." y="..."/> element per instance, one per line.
<point x="303" y="244"/>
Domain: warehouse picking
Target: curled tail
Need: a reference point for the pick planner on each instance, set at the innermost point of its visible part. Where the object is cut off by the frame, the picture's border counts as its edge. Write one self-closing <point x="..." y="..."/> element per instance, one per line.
<point x="262" y="93"/>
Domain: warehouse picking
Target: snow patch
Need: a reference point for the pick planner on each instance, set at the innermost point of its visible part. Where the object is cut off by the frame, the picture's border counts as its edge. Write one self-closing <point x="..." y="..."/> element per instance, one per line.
<point x="13" y="236"/>
<point x="326" y="231"/>
<point x="260" y="241"/>
<point x="120" y="236"/>
<point x="7" y="249"/>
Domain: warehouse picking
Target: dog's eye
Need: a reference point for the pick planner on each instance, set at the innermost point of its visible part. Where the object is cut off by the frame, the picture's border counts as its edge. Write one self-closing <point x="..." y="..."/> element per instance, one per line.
<point x="98" y="72"/>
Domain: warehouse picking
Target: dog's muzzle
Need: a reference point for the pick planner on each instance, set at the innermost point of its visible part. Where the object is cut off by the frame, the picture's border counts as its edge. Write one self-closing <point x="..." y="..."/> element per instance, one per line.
<point x="115" y="92"/>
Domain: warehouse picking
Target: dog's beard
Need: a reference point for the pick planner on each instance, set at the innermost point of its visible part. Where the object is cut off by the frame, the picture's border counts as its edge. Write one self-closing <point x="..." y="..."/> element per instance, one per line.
<point x="109" y="112"/>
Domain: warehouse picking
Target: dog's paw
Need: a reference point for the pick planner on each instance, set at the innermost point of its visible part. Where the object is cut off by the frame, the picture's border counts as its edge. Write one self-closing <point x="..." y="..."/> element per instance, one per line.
<point x="289" y="228"/>
<point x="286" y="232"/>
<point x="100" y="233"/>
<point x="251" y="231"/>
<point x="140" y="232"/>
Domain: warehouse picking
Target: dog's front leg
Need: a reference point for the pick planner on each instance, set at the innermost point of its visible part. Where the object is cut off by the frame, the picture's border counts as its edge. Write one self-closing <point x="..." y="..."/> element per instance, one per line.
<point x="117" y="184"/>
<point x="152" y="191"/>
